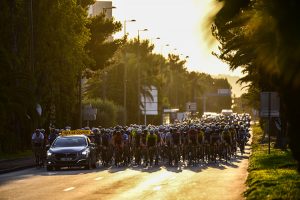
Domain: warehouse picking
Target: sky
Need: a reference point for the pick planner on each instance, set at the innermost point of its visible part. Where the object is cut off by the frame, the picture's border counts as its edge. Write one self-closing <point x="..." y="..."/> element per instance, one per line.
<point x="183" y="24"/>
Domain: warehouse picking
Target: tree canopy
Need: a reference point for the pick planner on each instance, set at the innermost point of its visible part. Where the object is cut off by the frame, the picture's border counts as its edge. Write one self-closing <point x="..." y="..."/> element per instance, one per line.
<point x="262" y="37"/>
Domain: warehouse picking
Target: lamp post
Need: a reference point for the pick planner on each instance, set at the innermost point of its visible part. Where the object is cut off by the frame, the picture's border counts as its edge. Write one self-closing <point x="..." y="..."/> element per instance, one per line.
<point x="107" y="8"/>
<point x="125" y="21"/>
<point x="139" y="33"/>
<point x="174" y="50"/>
<point x="156" y="38"/>
<point x="125" y="76"/>
<point x="139" y="79"/>
<point x="162" y="47"/>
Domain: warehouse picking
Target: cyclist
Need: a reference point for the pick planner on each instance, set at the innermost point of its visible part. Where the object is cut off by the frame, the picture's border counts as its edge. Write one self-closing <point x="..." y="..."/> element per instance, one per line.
<point x="227" y="141"/>
<point x="52" y="136"/>
<point x="200" y="149"/>
<point x="37" y="141"/>
<point x="105" y="147"/>
<point x="137" y="146"/>
<point x="168" y="145"/>
<point x="157" y="149"/>
<point x="144" y="145"/>
<point x="176" y="138"/>
<point x="126" y="146"/>
<point x="215" y="140"/>
<point x="193" y="143"/>
<point x="151" y="143"/>
<point x="118" y="146"/>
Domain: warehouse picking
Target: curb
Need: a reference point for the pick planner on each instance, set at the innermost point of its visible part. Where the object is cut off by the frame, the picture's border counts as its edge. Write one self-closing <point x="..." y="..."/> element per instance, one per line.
<point x="4" y="171"/>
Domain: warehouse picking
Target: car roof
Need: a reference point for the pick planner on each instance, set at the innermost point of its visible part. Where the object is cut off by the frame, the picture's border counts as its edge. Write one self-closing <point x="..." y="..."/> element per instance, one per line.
<point x="69" y="136"/>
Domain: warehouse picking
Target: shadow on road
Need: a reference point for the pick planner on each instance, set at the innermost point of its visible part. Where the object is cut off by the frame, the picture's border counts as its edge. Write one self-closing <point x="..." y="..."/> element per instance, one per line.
<point x="197" y="168"/>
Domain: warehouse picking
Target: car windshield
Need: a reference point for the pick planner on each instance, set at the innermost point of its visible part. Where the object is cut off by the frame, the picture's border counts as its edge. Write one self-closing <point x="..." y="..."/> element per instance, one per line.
<point x="70" y="142"/>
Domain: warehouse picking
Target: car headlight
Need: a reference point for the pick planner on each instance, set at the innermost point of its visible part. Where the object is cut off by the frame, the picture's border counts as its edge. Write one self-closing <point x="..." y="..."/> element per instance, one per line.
<point x="49" y="153"/>
<point x="85" y="152"/>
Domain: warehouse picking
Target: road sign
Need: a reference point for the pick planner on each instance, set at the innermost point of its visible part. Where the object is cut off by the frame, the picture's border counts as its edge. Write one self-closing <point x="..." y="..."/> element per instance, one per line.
<point x="269" y="107"/>
<point x="269" y="104"/>
<point x="150" y="103"/>
<point x="191" y="106"/>
<point x="89" y="113"/>
<point x="224" y="92"/>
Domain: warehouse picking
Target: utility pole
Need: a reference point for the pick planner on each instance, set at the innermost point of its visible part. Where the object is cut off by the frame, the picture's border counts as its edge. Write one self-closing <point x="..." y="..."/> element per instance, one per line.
<point x="139" y="78"/>
<point x="125" y="76"/>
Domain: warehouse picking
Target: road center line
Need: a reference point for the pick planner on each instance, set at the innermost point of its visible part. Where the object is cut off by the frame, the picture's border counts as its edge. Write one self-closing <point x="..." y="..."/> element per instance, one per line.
<point x="99" y="178"/>
<point x="68" y="189"/>
<point x="157" y="188"/>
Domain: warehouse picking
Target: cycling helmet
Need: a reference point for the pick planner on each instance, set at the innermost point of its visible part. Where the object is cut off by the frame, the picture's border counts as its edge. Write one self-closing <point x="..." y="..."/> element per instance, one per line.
<point x="139" y="131"/>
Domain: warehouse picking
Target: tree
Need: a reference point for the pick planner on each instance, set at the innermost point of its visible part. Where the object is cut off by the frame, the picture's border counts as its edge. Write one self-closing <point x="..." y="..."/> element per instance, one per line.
<point x="101" y="47"/>
<point x="262" y="38"/>
<point x="176" y="86"/>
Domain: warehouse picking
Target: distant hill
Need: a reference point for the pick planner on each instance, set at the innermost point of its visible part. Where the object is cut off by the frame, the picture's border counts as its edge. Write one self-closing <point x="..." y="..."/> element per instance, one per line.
<point x="236" y="87"/>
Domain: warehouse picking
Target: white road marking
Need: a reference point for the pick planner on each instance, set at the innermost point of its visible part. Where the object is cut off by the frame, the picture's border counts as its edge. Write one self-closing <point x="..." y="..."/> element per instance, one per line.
<point x="157" y="188"/>
<point x="68" y="189"/>
<point x="99" y="178"/>
<point x="51" y="173"/>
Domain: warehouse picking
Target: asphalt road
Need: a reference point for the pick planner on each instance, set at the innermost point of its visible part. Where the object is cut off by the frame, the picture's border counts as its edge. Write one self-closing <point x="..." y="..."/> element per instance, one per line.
<point x="208" y="181"/>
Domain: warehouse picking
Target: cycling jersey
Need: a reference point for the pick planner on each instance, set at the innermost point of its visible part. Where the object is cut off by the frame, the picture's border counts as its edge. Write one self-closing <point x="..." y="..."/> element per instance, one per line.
<point x="158" y="137"/>
<point x="176" y="138"/>
<point x="226" y="136"/>
<point x="137" y="140"/>
<point x="215" y="137"/>
<point x="200" y="137"/>
<point x="162" y="137"/>
<point x="151" y="140"/>
<point x="185" y="138"/>
<point x="105" y="139"/>
<point x="206" y="136"/>
<point x="125" y="138"/>
<point x="118" y="139"/>
<point x="168" y="138"/>
<point x="37" y="139"/>
<point x="144" y="136"/>
<point x="193" y="136"/>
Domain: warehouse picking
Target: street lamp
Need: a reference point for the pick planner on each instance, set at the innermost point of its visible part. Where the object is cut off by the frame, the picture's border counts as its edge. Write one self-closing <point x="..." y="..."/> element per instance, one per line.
<point x="108" y="8"/>
<point x="125" y="21"/>
<point x="125" y="76"/>
<point x="157" y="38"/>
<point x="139" y="79"/>
<point x="139" y="33"/>
<point x="162" y="47"/>
<point x="174" y="50"/>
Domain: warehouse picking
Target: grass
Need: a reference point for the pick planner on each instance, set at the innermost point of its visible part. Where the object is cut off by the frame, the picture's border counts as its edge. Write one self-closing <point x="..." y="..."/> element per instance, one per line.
<point x="271" y="176"/>
<point x="21" y="154"/>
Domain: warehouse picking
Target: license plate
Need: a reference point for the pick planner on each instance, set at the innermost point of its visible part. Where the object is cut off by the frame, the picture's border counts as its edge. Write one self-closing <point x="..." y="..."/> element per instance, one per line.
<point x="66" y="159"/>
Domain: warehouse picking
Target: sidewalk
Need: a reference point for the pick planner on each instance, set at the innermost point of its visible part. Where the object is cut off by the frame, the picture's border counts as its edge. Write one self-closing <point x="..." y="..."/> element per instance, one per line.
<point x="16" y="164"/>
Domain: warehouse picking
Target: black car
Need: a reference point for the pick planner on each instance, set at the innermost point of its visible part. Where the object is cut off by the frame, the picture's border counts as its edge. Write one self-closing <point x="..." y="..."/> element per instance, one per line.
<point x="68" y="151"/>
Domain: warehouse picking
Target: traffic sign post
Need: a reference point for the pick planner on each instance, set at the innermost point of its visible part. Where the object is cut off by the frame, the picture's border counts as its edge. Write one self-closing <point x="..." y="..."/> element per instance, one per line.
<point x="89" y="113"/>
<point x="191" y="106"/>
<point x="269" y="107"/>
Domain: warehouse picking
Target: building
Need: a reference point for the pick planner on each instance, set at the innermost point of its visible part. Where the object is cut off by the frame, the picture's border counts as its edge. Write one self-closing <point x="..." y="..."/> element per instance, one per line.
<point x="101" y="7"/>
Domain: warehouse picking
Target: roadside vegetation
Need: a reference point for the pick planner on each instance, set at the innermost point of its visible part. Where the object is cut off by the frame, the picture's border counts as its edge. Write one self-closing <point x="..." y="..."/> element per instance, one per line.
<point x="271" y="176"/>
<point x="20" y="154"/>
